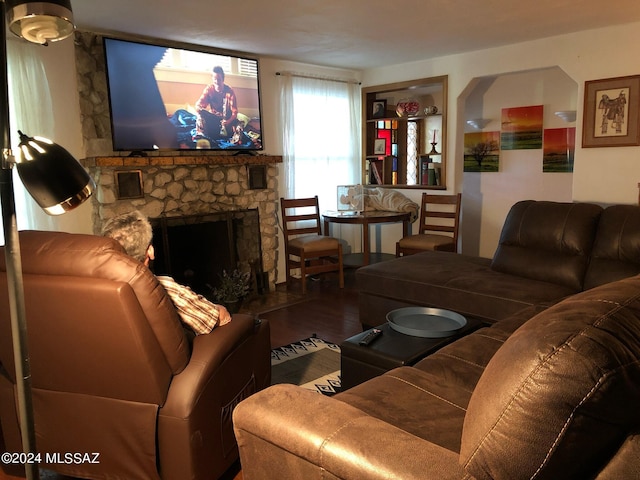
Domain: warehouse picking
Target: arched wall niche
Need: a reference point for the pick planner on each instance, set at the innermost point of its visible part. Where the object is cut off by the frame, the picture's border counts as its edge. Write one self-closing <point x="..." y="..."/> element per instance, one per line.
<point x="487" y="196"/>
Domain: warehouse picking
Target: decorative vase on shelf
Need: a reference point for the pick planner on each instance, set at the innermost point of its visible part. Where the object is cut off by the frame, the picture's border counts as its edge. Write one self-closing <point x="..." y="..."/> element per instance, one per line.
<point x="407" y="107"/>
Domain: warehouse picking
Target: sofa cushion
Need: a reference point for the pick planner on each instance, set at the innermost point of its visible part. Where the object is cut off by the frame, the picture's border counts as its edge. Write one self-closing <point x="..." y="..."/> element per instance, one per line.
<point x="414" y="401"/>
<point x="462" y="283"/>
<point x="548" y="241"/>
<point x="563" y="389"/>
<point x="616" y="251"/>
<point x="463" y="362"/>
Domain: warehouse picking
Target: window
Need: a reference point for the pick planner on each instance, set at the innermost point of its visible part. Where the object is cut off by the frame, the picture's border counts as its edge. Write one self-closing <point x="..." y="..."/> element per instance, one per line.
<point x="28" y="92"/>
<point x="321" y="140"/>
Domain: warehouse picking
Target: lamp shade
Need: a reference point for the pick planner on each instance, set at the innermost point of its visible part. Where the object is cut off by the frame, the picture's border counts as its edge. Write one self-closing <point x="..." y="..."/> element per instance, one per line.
<point x="40" y="22"/>
<point x="55" y="180"/>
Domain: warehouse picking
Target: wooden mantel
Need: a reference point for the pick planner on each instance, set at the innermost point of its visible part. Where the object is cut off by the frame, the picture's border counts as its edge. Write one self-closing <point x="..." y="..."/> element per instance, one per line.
<point x="154" y="160"/>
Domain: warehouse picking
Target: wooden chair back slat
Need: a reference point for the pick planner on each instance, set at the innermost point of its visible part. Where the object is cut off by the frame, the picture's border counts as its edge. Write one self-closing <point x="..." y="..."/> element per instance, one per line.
<point x="301" y="216"/>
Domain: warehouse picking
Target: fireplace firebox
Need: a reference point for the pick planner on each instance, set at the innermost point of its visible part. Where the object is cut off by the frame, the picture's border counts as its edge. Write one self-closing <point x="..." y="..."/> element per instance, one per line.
<point x="196" y="249"/>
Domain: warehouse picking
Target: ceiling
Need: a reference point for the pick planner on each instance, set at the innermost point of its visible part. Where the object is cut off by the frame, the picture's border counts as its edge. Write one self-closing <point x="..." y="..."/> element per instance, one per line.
<point x="352" y="34"/>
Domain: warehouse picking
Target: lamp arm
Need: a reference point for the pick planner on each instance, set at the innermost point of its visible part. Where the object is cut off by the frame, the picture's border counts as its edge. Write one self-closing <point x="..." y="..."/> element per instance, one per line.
<point x="14" y="269"/>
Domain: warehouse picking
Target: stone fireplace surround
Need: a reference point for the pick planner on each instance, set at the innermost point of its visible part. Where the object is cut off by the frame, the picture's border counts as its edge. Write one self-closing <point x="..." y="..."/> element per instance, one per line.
<point x="174" y="183"/>
<point x="172" y="190"/>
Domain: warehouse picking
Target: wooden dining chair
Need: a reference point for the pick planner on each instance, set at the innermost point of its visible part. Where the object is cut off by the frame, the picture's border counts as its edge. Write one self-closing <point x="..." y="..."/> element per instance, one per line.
<point x="305" y="246"/>
<point x="439" y="224"/>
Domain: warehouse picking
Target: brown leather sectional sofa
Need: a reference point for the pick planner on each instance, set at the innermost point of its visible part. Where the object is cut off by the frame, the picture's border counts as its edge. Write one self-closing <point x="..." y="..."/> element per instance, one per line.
<point x="547" y="251"/>
<point x="548" y="389"/>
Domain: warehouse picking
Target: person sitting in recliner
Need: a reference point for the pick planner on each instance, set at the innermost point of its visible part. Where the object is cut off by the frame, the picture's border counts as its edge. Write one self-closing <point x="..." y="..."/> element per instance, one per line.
<point x="133" y="231"/>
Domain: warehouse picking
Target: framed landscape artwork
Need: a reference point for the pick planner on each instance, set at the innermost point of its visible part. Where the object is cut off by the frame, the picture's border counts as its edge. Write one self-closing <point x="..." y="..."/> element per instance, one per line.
<point x="611" y="112"/>
<point x="482" y="152"/>
<point x="521" y="128"/>
<point x="558" y="150"/>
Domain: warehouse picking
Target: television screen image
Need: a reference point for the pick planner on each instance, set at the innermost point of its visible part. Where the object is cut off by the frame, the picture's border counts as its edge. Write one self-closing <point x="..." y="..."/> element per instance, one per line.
<point x="173" y="98"/>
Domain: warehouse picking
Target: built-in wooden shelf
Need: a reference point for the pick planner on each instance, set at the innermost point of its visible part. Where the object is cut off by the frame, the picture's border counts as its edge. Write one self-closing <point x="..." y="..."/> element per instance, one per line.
<point x="150" y="161"/>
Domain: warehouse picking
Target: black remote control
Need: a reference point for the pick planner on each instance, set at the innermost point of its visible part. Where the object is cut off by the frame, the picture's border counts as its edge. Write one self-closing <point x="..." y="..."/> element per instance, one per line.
<point x="370" y="337"/>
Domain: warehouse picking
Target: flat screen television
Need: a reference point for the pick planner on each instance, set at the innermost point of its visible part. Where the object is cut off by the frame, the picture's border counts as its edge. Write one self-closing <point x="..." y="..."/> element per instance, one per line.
<point x="175" y="98"/>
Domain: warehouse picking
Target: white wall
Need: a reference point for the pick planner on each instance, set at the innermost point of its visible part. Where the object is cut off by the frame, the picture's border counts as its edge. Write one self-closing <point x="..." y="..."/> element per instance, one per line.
<point x="602" y="175"/>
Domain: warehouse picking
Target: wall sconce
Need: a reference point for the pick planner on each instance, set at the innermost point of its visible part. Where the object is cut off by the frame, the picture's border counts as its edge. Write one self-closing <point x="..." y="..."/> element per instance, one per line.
<point x="478" y="123"/>
<point x="566" y="115"/>
<point x="56" y="181"/>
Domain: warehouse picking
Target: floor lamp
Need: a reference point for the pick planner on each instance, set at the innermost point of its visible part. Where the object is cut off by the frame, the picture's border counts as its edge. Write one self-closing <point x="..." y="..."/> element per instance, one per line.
<point x="56" y="181"/>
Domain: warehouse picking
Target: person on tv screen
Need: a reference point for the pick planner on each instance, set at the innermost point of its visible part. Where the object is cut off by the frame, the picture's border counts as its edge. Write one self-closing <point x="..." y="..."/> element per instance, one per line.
<point x="217" y="109"/>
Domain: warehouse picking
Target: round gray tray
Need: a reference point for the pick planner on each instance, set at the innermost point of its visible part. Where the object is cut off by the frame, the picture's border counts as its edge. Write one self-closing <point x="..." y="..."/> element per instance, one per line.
<point x="425" y="322"/>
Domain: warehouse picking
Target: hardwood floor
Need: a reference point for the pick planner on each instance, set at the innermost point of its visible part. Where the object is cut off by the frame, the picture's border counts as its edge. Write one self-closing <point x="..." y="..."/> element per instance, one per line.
<point x="326" y="310"/>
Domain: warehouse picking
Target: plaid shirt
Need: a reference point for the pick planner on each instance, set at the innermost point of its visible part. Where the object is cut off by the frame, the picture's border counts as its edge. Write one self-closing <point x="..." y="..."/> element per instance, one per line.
<point x="223" y="104"/>
<point x="195" y="311"/>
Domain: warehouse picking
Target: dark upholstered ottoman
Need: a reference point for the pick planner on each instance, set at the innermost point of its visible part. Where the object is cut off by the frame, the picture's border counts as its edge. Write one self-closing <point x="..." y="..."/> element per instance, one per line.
<point x="392" y="349"/>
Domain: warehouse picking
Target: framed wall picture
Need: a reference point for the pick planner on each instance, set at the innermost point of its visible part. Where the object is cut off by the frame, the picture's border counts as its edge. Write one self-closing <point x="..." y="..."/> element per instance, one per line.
<point x="257" y="177"/>
<point x="378" y="109"/>
<point x="379" y="146"/>
<point x="129" y="184"/>
<point x="522" y="128"/>
<point x="558" y="151"/>
<point x="611" y="112"/>
<point x="482" y="152"/>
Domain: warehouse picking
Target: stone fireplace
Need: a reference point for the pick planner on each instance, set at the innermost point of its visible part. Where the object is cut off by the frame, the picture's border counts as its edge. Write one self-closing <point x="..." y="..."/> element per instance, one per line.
<point x="173" y="184"/>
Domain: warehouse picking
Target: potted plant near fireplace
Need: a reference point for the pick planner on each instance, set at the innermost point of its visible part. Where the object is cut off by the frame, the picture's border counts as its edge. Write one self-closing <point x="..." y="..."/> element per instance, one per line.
<point x="232" y="289"/>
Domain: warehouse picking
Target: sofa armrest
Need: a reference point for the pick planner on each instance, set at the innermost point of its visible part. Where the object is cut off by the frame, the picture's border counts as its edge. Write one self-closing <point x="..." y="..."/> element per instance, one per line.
<point x="287" y="432"/>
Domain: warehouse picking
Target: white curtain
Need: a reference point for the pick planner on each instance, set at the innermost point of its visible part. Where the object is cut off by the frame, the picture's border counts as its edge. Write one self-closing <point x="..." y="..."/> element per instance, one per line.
<point x="31" y="111"/>
<point x="321" y="137"/>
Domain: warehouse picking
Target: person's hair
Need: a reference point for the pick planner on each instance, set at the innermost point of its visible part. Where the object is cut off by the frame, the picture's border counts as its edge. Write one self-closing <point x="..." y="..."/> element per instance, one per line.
<point x="133" y="231"/>
<point x="218" y="69"/>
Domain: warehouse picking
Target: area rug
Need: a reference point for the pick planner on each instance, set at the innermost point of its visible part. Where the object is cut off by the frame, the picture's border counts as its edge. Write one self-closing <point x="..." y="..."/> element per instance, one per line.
<point x="311" y="363"/>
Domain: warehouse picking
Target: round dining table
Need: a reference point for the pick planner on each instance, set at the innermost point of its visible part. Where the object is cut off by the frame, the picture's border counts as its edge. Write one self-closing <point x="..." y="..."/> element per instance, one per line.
<point x="365" y="219"/>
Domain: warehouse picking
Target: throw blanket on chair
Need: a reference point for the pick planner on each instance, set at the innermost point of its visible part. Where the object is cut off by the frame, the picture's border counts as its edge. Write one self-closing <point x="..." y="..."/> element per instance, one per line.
<point x="389" y="200"/>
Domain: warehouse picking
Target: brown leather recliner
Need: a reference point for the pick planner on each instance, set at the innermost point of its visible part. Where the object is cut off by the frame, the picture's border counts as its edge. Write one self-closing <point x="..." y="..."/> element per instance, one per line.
<point x="113" y="371"/>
